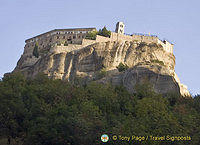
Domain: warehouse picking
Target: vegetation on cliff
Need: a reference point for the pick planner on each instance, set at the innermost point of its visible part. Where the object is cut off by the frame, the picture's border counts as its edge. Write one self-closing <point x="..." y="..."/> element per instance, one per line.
<point x="122" y="67"/>
<point x="35" y="51"/>
<point x="91" y="35"/>
<point x="45" y="111"/>
<point x="102" y="32"/>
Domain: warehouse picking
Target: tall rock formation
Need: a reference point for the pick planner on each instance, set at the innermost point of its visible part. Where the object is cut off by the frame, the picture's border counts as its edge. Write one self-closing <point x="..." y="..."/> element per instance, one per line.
<point x="99" y="61"/>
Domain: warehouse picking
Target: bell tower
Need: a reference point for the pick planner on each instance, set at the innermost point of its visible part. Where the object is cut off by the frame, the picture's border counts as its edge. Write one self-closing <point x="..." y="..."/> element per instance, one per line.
<point x="120" y="28"/>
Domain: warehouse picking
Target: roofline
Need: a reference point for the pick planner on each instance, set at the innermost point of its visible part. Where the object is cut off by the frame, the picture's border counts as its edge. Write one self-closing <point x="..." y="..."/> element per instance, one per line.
<point x="59" y="30"/>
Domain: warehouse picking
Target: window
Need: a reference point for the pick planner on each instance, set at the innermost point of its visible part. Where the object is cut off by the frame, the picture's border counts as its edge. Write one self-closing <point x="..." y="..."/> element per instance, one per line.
<point x="63" y="37"/>
<point x="69" y="38"/>
<point x="57" y="37"/>
<point x="74" y="37"/>
<point x="79" y="37"/>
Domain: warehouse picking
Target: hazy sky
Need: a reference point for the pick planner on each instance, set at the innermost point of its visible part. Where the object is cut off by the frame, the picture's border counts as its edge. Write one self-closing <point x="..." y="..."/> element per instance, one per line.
<point x="176" y="20"/>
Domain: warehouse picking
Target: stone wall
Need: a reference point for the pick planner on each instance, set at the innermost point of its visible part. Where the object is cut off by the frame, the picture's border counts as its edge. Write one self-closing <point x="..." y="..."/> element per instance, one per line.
<point x="103" y="39"/>
<point x="86" y="42"/>
<point x="62" y="48"/>
<point x="122" y="37"/>
<point x="139" y="38"/>
<point x="168" y="47"/>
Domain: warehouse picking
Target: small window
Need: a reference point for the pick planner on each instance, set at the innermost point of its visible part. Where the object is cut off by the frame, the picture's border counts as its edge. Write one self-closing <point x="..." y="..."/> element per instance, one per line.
<point x="69" y="38"/>
<point x="57" y="37"/>
<point x="74" y="37"/>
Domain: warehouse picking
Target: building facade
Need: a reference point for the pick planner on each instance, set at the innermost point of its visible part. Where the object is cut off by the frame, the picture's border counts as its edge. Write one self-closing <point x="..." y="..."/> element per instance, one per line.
<point x="68" y="36"/>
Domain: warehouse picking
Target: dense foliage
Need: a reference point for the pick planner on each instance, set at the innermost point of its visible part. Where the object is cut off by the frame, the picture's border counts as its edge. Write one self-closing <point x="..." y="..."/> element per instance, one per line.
<point x="122" y="67"/>
<point x="53" y="112"/>
<point x="35" y="50"/>
<point x="91" y="35"/>
<point x="102" y="32"/>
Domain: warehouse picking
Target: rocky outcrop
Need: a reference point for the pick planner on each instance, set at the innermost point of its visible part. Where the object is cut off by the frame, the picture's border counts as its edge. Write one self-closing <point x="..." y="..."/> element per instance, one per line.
<point x="98" y="62"/>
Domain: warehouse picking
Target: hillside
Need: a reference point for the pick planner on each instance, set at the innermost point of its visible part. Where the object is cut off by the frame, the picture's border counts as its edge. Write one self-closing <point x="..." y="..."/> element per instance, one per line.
<point x="45" y="111"/>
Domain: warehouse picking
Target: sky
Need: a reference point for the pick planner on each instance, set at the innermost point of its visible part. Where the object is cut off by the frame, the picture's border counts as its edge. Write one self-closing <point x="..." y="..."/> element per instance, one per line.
<point x="175" y="20"/>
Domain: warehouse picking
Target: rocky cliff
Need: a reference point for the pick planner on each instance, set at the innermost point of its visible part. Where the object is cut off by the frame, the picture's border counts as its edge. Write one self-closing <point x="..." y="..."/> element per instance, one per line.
<point x="99" y="61"/>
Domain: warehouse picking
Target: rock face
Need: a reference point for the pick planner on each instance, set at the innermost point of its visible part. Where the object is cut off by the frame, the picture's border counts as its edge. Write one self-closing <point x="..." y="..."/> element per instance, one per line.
<point x="99" y="61"/>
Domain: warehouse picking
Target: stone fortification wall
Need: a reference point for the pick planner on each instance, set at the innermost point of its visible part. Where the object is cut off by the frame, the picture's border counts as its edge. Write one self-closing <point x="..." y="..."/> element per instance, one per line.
<point x="86" y="42"/>
<point x="103" y="39"/>
<point x="122" y="37"/>
<point x="139" y="38"/>
<point x="168" y="47"/>
<point x="61" y="48"/>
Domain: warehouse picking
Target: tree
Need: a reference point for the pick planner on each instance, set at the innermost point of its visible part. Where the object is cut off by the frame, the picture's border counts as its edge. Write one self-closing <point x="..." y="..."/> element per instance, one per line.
<point x="91" y="35"/>
<point x="104" y="32"/>
<point x="45" y="111"/>
<point x="35" y="51"/>
<point x="121" y="67"/>
<point x="197" y="103"/>
<point x="12" y="108"/>
<point x="144" y="90"/>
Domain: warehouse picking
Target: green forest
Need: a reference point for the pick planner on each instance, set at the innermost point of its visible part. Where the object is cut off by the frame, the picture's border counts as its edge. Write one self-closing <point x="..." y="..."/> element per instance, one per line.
<point x="44" y="111"/>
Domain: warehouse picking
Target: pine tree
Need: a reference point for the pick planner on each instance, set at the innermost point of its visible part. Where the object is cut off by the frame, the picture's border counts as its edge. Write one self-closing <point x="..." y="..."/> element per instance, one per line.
<point x="104" y="32"/>
<point x="35" y="51"/>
